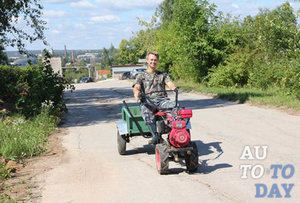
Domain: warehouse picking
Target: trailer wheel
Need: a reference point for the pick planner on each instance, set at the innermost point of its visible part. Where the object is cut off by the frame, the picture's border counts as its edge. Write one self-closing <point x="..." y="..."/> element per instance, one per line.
<point x="162" y="158"/>
<point x="121" y="144"/>
<point x="191" y="160"/>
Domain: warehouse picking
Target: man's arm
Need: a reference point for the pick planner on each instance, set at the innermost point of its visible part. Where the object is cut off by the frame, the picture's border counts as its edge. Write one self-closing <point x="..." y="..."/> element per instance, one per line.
<point x="171" y="85"/>
<point x="136" y="91"/>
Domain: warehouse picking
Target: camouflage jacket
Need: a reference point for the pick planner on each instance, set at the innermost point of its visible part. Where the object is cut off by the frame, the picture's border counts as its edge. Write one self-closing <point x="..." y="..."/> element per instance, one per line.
<point x="152" y="82"/>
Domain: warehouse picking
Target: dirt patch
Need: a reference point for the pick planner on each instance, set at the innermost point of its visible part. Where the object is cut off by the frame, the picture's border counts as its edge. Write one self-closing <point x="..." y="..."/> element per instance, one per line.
<point x="24" y="186"/>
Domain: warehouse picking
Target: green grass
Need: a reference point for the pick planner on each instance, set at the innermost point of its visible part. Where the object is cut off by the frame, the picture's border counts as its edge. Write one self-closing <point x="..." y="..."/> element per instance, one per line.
<point x="20" y="138"/>
<point x="6" y="198"/>
<point x="4" y="172"/>
<point x="271" y="97"/>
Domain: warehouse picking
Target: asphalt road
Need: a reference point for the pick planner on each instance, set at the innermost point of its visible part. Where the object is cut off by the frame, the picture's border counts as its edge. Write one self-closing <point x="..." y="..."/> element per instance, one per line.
<point x="225" y="133"/>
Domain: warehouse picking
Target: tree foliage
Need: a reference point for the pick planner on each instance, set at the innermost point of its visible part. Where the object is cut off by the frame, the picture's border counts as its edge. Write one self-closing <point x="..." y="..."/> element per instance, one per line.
<point x="14" y="16"/>
<point x="109" y="57"/>
<point x="198" y="44"/>
<point x="267" y="54"/>
<point x="3" y="56"/>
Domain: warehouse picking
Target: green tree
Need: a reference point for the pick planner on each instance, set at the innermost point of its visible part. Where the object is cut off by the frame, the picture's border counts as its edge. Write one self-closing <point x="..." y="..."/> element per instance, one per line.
<point x="109" y="57"/>
<point x="277" y="30"/>
<point x="113" y="54"/>
<point x="105" y="60"/>
<point x="3" y="56"/>
<point x="265" y="52"/>
<point x="125" y="53"/>
<point x="165" y="11"/>
<point x="196" y="49"/>
<point x="22" y="11"/>
<point x="130" y="51"/>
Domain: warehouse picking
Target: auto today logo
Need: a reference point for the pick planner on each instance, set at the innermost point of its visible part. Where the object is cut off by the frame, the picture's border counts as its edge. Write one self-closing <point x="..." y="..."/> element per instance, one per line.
<point x="257" y="171"/>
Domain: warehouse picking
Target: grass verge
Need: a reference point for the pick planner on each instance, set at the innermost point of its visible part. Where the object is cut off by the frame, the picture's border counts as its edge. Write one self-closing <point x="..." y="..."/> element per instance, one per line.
<point x="271" y="97"/>
<point x="21" y="138"/>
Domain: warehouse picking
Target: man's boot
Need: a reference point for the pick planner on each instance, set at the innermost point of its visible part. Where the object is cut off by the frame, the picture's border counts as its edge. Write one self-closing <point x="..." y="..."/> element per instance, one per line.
<point x="153" y="140"/>
<point x="152" y="128"/>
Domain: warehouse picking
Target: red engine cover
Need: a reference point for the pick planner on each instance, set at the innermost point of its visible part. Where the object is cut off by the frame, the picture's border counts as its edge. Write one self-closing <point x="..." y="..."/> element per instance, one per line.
<point x="179" y="137"/>
<point x="185" y="113"/>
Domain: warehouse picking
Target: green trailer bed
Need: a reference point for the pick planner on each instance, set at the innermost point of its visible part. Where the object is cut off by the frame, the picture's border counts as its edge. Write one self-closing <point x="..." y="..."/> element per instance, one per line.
<point x="127" y="124"/>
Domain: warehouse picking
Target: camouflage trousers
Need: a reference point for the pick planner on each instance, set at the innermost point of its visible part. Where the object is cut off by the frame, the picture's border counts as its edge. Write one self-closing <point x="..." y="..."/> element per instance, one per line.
<point x="149" y="108"/>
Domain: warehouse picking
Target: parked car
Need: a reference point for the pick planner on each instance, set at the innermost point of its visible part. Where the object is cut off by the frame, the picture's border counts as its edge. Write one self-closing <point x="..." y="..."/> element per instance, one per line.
<point x="85" y="80"/>
<point x="137" y="71"/>
<point x="125" y="75"/>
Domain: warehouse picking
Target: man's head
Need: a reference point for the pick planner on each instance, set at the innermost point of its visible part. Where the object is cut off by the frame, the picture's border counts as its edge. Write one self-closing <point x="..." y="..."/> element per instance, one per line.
<point x="152" y="59"/>
<point x="153" y="53"/>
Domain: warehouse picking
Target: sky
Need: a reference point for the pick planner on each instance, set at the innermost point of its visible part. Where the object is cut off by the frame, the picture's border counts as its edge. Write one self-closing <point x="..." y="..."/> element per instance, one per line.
<point x="95" y="24"/>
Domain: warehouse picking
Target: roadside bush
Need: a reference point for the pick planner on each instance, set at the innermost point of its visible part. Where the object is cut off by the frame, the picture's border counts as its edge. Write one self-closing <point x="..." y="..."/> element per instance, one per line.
<point x="23" y="90"/>
<point x="279" y="72"/>
<point x="234" y="73"/>
<point x="31" y="103"/>
<point x="258" y="71"/>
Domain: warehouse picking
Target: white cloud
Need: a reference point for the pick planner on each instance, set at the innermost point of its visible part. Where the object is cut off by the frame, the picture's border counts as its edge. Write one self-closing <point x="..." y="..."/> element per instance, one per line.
<point x="80" y="26"/>
<point x="55" y="31"/>
<point x="52" y="13"/>
<point x="129" y="4"/>
<point x="235" y="6"/>
<point x="83" y="5"/>
<point x="57" y="1"/>
<point x="128" y="29"/>
<point x="105" y="19"/>
<point x="222" y="1"/>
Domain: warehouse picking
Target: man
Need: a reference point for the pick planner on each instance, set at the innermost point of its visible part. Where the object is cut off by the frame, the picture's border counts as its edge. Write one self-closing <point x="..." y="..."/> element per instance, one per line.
<point x="152" y="83"/>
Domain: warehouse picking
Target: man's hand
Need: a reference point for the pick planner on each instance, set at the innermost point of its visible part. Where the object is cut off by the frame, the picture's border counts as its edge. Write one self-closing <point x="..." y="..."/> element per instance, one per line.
<point x="137" y="92"/>
<point x="137" y="96"/>
<point x="171" y="85"/>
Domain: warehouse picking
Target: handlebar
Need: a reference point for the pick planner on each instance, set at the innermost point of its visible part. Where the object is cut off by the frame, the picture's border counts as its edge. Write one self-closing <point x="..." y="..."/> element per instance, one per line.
<point x="144" y="95"/>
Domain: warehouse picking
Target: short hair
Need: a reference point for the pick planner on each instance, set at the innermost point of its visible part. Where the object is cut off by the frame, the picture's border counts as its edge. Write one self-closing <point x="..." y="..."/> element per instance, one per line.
<point x="154" y="53"/>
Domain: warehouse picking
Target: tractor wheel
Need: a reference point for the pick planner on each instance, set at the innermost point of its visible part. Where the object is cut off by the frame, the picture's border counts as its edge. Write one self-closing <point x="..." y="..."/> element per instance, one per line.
<point x="191" y="160"/>
<point x="121" y="144"/>
<point x="162" y="158"/>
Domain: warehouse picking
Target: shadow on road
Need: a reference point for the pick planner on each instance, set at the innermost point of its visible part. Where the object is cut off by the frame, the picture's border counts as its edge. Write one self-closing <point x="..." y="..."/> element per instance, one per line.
<point x="148" y="149"/>
<point x="214" y="149"/>
<point x="91" y="106"/>
<point x="205" y="103"/>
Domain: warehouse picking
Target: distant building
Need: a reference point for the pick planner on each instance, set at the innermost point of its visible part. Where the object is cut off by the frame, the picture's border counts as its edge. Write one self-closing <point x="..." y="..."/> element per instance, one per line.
<point x="87" y="56"/>
<point x="56" y="65"/>
<point x="102" y="74"/>
<point x="118" y="70"/>
<point x="142" y="61"/>
<point x="25" y="62"/>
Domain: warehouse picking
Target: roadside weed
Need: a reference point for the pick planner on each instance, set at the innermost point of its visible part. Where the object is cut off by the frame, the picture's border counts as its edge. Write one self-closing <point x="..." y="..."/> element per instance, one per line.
<point x="22" y="138"/>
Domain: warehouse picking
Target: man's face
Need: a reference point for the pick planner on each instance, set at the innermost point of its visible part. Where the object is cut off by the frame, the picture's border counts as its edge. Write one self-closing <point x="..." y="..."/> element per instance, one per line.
<point x="152" y="61"/>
